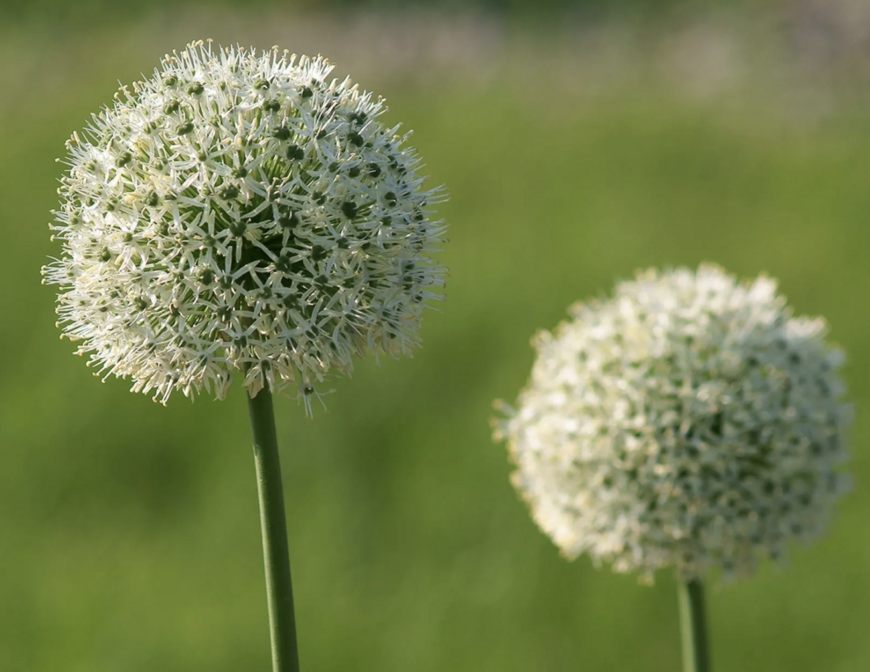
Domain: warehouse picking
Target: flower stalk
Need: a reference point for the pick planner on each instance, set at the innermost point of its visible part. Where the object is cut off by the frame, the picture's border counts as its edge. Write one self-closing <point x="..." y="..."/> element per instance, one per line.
<point x="693" y="626"/>
<point x="279" y="588"/>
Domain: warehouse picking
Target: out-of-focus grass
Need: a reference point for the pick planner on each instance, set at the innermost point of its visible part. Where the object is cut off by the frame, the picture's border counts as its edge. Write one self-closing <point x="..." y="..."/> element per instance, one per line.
<point x="128" y="531"/>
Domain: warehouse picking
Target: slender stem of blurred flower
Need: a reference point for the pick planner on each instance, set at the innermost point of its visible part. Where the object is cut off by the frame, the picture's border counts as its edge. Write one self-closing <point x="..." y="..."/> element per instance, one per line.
<point x="279" y="589"/>
<point x="693" y="626"/>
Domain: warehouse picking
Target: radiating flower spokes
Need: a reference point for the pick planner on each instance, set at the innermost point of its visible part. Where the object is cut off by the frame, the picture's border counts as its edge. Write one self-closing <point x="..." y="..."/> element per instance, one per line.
<point x="242" y="212"/>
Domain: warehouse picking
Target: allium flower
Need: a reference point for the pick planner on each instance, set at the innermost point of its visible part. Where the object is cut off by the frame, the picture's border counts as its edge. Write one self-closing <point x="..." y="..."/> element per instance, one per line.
<point x="241" y="211"/>
<point x="689" y="421"/>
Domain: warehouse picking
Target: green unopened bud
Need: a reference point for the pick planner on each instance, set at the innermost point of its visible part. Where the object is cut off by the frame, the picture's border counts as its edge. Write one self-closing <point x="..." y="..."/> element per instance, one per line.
<point x="289" y="221"/>
<point x="349" y="208"/>
<point x="229" y="192"/>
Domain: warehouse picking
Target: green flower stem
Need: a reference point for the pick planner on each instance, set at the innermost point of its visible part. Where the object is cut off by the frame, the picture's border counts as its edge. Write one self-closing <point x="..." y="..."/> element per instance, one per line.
<point x="279" y="589"/>
<point x="693" y="626"/>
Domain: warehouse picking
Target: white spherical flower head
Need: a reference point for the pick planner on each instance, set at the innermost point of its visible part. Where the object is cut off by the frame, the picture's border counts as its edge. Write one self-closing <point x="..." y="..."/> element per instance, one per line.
<point x="690" y="421"/>
<point x="242" y="212"/>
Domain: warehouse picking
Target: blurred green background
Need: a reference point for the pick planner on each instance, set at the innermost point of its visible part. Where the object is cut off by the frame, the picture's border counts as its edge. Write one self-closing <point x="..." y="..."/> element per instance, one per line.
<point x="596" y="139"/>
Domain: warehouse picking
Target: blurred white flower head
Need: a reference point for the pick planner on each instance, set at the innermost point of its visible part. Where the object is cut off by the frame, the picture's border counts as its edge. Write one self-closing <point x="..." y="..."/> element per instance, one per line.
<point x="689" y="421"/>
<point x="242" y="212"/>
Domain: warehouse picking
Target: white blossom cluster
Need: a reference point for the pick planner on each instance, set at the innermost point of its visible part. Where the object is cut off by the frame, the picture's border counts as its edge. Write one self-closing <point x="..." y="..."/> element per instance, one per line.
<point x="689" y="421"/>
<point x="242" y="212"/>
